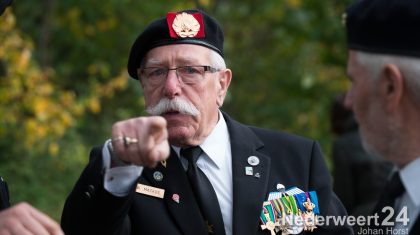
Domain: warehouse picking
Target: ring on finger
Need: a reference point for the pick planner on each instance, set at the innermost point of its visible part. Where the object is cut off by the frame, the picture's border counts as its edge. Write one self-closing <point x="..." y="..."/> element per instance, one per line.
<point x="126" y="140"/>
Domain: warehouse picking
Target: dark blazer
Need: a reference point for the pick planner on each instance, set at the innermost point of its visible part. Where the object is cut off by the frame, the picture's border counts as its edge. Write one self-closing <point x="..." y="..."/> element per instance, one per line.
<point x="359" y="177"/>
<point x="4" y="195"/>
<point x="284" y="158"/>
<point x="415" y="230"/>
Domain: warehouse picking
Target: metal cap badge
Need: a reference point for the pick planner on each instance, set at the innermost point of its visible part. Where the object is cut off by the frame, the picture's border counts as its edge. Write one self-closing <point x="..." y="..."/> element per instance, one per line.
<point x="185" y="25"/>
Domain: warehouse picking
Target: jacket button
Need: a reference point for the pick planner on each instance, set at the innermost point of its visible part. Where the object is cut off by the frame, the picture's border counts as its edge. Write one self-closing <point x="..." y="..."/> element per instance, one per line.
<point x="90" y="191"/>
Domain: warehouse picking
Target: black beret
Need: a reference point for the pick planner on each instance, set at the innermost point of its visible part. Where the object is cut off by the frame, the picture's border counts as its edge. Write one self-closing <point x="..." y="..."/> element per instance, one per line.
<point x="384" y="27"/>
<point x="184" y="27"/>
<point x="4" y="4"/>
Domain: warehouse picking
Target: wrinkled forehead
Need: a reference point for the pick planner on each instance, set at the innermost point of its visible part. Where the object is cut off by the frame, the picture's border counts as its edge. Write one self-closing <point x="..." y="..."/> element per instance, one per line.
<point x="180" y="54"/>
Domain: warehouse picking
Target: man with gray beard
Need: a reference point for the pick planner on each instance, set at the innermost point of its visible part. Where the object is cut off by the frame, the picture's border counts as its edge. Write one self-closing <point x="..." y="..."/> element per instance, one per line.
<point x="189" y="168"/>
<point x="384" y="68"/>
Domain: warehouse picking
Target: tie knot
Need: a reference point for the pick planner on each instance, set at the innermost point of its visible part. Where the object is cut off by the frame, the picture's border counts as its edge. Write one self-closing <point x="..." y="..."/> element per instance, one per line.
<point x="191" y="154"/>
<point x="395" y="186"/>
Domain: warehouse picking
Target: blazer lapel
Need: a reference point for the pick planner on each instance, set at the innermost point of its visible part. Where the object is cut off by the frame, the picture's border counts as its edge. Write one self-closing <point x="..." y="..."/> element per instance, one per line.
<point x="249" y="191"/>
<point x="185" y="211"/>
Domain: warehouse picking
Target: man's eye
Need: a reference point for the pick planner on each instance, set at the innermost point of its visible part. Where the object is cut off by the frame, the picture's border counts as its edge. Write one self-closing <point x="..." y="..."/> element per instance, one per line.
<point x="157" y="72"/>
<point x="191" y="70"/>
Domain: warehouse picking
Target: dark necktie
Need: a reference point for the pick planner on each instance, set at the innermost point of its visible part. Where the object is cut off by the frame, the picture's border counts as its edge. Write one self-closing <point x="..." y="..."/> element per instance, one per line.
<point x="393" y="189"/>
<point x="204" y="192"/>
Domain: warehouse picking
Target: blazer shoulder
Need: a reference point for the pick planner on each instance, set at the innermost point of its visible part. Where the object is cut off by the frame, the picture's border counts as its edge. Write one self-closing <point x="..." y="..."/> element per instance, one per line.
<point x="277" y="136"/>
<point x="270" y="141"/>
<point x="95" y="152"/>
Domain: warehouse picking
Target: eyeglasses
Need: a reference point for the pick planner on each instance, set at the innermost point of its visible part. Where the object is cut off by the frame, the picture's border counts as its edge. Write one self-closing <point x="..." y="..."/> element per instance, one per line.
<point x="154" y="76"/>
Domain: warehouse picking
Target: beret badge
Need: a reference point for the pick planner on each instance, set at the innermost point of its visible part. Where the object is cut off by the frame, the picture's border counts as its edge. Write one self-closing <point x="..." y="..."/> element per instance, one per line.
<point x="185" y="25"/>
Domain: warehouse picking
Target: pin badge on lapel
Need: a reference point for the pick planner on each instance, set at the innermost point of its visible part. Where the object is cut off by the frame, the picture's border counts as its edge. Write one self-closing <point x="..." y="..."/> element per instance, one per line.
<point x="249" y="170"/>
<point x="175" y="197"/>
<point x="158" y="176"/>
<point x="163" y="162"/>
<point x="253" y="160"/>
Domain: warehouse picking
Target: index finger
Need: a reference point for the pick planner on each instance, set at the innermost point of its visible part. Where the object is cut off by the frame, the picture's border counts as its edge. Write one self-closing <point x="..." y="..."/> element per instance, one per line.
<point x="50" y="225"/>
<point x="157" y="128"/>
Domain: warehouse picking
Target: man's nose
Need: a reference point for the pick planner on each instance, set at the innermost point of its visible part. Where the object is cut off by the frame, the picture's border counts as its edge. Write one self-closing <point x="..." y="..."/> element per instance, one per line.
<point x="172" y="86"/>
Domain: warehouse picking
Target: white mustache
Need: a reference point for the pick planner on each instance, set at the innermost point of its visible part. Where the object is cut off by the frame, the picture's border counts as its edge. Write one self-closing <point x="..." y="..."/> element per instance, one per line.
<point x="176" y="104"/>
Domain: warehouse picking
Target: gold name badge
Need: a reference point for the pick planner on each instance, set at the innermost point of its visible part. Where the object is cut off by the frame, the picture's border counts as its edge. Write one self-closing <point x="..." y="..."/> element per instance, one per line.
<point x="149" y="190"/>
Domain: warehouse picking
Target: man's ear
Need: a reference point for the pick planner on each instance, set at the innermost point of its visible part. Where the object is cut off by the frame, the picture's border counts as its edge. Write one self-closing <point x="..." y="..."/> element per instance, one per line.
<point x="225" y="76"/>
<point x="393" y="87"/>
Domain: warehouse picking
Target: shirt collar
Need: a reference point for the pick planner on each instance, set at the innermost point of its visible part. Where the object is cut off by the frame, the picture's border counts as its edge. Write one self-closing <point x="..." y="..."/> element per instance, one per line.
<point x="214" y="146"/>
<point x="409" y="177"/>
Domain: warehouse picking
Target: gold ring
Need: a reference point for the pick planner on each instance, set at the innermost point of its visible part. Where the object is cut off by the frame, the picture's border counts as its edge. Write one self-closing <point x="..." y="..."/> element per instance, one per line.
<point x="126" y="140"/>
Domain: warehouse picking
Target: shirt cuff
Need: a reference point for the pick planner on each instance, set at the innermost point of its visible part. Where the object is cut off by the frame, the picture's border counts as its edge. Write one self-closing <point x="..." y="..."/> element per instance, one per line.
<point x="118" y="180"/>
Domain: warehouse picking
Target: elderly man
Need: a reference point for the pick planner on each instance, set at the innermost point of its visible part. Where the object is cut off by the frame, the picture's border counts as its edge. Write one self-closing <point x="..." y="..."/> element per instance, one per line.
<point x="384" y="68"/>
<point x="218" y="173"/>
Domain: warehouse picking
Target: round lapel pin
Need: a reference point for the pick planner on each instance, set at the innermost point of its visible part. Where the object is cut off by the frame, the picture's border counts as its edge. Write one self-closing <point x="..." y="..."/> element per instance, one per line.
<point x="158" y="176"/>
<point x="253" y="160"/>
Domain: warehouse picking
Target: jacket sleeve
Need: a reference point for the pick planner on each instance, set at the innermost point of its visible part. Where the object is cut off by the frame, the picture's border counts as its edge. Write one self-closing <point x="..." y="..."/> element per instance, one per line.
<point x="329" y="204"/>
<point x="90" y="209"/>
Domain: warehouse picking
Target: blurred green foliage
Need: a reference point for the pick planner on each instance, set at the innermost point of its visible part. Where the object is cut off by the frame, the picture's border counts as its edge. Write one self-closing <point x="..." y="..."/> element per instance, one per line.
<point x="63" y="79"/>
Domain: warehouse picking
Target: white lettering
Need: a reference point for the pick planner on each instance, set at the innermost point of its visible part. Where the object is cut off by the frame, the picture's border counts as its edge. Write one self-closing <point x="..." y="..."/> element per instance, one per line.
<point x="375" y="222"/>
<point x="370" y="231"/>
<point x="351" y="220"/>
<point x="361" y="221"/>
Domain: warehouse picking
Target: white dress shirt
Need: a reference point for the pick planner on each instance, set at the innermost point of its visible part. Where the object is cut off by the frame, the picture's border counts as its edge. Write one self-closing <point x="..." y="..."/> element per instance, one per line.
<point x="410" y="176"/>
<point x="215" y="162"/>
